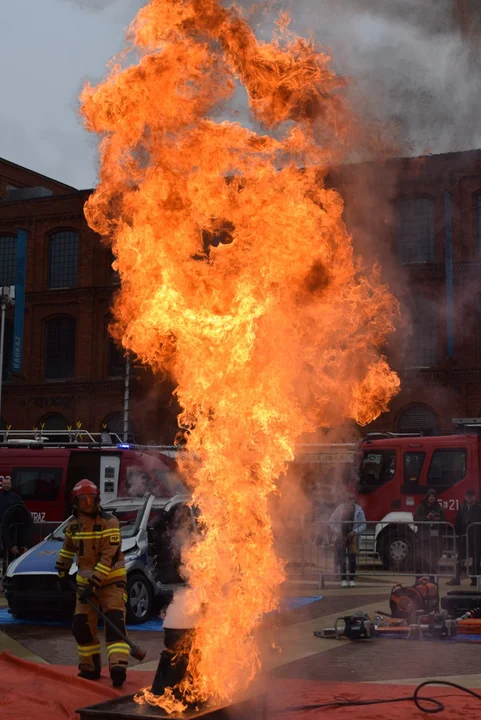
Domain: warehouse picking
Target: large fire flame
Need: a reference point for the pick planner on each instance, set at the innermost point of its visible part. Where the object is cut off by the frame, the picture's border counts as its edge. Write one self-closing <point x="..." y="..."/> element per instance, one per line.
<point x="238" y="278"/>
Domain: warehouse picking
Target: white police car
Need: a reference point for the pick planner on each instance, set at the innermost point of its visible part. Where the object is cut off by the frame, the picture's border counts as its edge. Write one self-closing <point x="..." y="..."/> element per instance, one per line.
<point x="152" y="531"/>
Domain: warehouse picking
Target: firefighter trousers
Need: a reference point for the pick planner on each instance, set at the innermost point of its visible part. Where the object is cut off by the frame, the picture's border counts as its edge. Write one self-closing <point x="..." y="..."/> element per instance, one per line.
<point x="111" y="600"/>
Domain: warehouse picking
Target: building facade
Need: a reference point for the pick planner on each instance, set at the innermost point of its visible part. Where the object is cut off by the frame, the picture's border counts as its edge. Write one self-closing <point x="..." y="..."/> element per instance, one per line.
<point x="72" y="371"/>
<point x="422" y="218"/>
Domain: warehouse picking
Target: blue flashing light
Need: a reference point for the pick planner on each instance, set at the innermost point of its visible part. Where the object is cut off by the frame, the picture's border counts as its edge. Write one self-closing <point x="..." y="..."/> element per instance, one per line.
<point x="124" y="446"/>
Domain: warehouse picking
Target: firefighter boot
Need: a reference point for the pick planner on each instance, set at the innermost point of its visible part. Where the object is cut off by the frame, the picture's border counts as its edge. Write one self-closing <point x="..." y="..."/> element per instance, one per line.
<point x="112" y="600"/>
<point x="118" y="674"/>
<point x="91" y="674"/>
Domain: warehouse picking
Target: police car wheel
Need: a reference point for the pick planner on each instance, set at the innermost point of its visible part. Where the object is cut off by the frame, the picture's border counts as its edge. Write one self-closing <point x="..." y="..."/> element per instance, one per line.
<point x="139" y="599"/>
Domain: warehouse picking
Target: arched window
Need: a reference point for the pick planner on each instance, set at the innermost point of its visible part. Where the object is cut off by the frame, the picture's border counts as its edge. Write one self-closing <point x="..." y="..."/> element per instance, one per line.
<point x="7" y="349"/>
<point x="418" y="418"/>
<point x="54" y="421"/>
<point x="60" y="348"/>
<point x="116" y="365"/>
<point x="114" y="423"/>
<point x="63" y="259"/>
<point x="8" y="259"/>
<point x="416" y="230"/>
<point x="424" y="343"/>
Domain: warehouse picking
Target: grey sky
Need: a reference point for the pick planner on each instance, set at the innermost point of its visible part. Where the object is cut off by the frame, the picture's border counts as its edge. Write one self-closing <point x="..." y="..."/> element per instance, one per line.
<point x="407" y="58"/>
<point x="47" y="49"/>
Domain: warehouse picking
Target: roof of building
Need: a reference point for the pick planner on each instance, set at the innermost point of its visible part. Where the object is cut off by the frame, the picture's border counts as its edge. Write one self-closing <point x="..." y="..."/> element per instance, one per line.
<point x="33" y="173"/>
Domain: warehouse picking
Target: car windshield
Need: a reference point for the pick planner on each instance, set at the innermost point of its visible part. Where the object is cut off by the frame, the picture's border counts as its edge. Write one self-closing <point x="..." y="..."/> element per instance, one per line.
<point x="129" y="521"/>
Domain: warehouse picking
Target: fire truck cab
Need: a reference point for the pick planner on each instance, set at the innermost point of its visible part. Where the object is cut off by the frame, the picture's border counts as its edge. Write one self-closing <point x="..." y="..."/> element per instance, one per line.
<point x="396" y="471"/>
<point x="43" y="470"/>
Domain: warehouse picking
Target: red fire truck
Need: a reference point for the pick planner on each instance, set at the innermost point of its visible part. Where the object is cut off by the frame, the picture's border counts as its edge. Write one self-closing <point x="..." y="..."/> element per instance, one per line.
<point x="44" y="469"/>
<point x="396" y="471"/>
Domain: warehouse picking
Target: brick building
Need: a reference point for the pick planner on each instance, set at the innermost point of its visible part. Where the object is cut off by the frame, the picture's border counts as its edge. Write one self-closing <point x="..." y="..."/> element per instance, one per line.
<point x="422" y="218"/>
<point x="397" y="211"/>
<point x="72" y="371"/>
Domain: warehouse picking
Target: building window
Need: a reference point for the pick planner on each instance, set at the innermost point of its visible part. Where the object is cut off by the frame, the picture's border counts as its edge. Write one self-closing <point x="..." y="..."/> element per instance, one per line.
<point x="8" y="259"/>
<point x="114" y="423"/>
<point x="60" y="348"/>
<point x="424" y="342"/>
<point x="116" y="360"/>
<point x="63" y="259"/>
<point x="54" y="421"/>
<point x="418" y="419"/>
<point x="416" y="230"/>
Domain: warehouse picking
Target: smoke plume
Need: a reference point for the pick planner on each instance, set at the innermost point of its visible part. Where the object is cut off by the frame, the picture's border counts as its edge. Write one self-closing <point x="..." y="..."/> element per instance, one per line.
<point x="413" y="64"/>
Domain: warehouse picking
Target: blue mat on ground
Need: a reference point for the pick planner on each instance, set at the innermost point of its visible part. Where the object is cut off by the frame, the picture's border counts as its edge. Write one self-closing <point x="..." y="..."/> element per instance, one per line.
<point x="154" y="625"/>
<point x="7" y="619"/>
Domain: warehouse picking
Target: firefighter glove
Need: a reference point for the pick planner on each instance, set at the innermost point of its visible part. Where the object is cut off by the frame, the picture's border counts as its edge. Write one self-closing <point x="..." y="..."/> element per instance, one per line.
<point x="86" y="594"/>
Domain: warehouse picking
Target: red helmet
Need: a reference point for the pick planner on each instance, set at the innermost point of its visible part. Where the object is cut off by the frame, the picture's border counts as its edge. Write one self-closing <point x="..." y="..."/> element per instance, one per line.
<point x="85" y="498"/>
<point x="85" y="487"/>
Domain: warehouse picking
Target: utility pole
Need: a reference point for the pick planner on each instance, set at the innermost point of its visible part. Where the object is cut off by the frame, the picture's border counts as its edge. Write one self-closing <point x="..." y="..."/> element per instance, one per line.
<point x="126" y="397"/>
<point x="7" y="297"/>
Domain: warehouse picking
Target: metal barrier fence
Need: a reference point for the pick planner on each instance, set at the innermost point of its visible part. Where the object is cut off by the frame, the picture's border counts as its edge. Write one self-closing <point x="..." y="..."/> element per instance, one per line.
<point x="18" y="536"/>
<point x="341" y="551"/>
<point x="469" y="554"/>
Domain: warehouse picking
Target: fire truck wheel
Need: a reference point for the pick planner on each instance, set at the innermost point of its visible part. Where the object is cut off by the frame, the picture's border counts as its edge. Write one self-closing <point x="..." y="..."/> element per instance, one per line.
<point x="396" y="548"/>
<point x="139" y="599"/>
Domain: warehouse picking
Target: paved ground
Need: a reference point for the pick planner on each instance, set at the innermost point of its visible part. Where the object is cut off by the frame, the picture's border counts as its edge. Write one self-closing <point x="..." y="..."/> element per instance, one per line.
<point x="303" y="655"/>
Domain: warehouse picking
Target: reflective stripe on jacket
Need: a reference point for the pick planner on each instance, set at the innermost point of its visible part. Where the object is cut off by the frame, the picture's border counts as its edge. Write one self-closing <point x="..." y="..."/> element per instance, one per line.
<point x="96" y="542"/>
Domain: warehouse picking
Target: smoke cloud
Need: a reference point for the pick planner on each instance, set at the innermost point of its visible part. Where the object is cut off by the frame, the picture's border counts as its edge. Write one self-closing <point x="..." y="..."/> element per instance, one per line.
<point x="413" y="64"/>
<point x="181" y="613"/>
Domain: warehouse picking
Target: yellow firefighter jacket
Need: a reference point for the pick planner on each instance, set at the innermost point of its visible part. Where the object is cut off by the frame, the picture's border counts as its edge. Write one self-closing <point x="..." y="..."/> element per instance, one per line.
<point x="96" y="542"/>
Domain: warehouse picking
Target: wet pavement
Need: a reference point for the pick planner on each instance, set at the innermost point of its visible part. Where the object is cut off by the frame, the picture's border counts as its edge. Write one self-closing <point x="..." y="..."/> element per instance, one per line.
<point x="303" y="656"/>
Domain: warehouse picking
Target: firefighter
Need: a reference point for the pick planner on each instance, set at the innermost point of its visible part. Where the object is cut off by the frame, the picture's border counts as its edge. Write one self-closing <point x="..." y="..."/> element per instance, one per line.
<point x="94" y="537"/>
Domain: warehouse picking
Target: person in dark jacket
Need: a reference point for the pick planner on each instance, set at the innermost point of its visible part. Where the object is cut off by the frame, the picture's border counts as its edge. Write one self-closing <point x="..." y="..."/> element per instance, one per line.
<point x="468" y="538"/>
<point x="429" y="514"/>
<point x="430" y="508"/>
<point x="8" y="497"/>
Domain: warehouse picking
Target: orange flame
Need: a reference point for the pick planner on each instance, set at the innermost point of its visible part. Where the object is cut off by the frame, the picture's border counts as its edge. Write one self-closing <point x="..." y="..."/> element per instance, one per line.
<point x="239" y="278"/>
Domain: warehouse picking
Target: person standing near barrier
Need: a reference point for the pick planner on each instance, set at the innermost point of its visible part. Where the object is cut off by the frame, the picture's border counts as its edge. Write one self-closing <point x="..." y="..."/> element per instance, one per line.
<point x="7" y="499"/>
<point x="94" y="537"/>
<point x="430" y="513"/>
<point x="468" y="538"/>
<point x="347" y="523"/>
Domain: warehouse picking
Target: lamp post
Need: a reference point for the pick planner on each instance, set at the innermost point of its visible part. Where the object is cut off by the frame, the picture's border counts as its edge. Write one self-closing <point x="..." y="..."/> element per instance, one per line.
<point x="126" y="397"/>
<point x="7" y="297"/>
